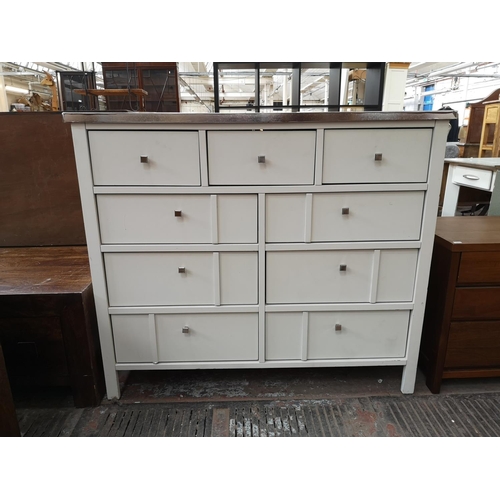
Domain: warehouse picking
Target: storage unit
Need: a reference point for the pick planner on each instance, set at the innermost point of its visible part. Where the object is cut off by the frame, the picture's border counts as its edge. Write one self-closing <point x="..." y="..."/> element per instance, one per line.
<point x="461" y="336"/>
<point x="490" y="133"/>
<point x="259" y="241"/>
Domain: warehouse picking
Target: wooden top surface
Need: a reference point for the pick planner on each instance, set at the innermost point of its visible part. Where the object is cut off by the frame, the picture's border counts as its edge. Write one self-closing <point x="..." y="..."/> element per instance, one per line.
<point x="469" y="233"/>
<point x="44" y="270"/>
<point x="482" y="163"/>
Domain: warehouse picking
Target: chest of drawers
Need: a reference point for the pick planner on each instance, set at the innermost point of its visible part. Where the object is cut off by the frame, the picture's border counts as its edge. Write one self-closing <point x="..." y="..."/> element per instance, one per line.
<point x="461" y="333"/>
<point x="259" y="241"/>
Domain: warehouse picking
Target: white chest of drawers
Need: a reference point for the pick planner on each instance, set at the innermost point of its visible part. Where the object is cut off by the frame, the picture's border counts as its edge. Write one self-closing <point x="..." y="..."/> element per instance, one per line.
<point x="259" y="241"/>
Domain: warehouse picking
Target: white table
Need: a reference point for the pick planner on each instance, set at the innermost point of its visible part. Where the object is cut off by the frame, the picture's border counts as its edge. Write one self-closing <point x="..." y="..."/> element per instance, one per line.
<point x="477" y="173"/>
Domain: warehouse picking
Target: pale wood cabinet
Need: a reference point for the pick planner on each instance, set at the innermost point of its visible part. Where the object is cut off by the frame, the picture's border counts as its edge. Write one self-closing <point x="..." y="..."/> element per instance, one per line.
<point x="277" y="240"/>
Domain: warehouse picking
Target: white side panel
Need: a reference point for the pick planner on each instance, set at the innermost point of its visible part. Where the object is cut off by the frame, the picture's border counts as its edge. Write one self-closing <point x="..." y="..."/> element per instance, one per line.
<point x="315" y="276"/>
<point x="149" y="279"/>
<point x="373" y="334"/>
<point x="143" y="218"/>
<point x="238" y="277"/>
<point x="211" y="337"/>
<point x="172" y="158"/>
<point x="396" y="279"/>
<point x="132" y="339"/>
<point x="349" y="155"/>
<point x="233" y="157"/>
<point x="284" y="335"/>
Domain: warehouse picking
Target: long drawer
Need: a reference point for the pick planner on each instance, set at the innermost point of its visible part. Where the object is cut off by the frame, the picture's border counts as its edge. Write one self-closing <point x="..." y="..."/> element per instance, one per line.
<point x="145" y="158"/>
<point x="261" y="157"/>
<point x="344" y="216"/>
<point x="321" y="276"/>
<point x="189" y="278"/>
<point x="136" y="218"/>
<point x="139" y="338"/>
<point x="336" y="335"/>
<point x="374" y="156"/>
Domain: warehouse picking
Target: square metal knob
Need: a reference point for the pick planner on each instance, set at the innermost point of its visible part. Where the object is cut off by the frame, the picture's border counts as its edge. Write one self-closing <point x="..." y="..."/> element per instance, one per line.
<point x="178" y="213"/>
<point x="185" y="329"/>
<point x="343" y="267"/>
<point x="261" y="159"/>
<point x="182" y="269"/>
<point x="338" y="327"/>
<point x="378" y="156"/>
<point x="345" y="211"/>
<point x="144" y="159"/>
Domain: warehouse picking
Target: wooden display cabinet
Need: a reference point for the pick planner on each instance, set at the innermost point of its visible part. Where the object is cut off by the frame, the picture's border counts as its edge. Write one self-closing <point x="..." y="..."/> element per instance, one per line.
<point x="158" y="79"/>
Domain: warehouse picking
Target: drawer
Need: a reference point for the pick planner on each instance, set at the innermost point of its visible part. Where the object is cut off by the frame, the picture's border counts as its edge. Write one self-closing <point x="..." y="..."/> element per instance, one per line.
<point x="287" y="157"/>
<point x="472" y="177"/>
<point x="473" y="344"/>
<point x="479" y="303"/>
<point x="313" y="335"/>
<point x="315" y="276"/>
<point x="153" y="279"/>
<point x="210" y="337"/>
<point x="350" y="155"/>
<point x="136" y="218"/>
<point x="479" y="267"/>
<point x="170" y="158"/>
<point x="370" y="216"/>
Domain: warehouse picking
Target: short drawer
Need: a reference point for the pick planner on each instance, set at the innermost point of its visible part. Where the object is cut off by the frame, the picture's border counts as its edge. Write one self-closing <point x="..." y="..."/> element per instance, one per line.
<point x="473" y="344"/>
<point x="188" y="278"/>
<point x="476" y="303"/>
<point x="136" y="218"/>
<point x="344" y="216"/>
<point x="322" y="276"/>
<point x="145" y="158"/>
<point x="472" y="177"/>
<point x="185" y="337"/>
<point x="261" y="157"/>
<point x="378" y="155"/>
<point x="479" y="267"/>
<point x="336" y="335"/>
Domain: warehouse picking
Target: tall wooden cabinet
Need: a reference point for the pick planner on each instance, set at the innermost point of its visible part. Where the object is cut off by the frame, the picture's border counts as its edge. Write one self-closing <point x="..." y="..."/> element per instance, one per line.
<point x="490" y="133"/>
<point x="158" y="79"/>
<point x="259" y="241"/>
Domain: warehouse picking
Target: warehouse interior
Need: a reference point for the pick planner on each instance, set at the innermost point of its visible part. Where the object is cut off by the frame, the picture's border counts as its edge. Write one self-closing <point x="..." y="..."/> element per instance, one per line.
<point x="41" y="218"/>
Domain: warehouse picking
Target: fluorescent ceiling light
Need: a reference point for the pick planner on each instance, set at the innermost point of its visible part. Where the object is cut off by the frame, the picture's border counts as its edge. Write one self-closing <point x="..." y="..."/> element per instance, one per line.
<point x="16" y="90"/>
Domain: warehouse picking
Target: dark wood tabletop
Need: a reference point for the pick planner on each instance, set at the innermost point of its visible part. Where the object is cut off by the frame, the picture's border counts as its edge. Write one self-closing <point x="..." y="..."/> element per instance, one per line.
<point x="44" y="270"/>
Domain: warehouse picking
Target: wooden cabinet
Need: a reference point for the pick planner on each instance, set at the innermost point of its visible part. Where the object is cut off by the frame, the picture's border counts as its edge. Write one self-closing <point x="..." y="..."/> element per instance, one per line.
<point x="489" y="146"/>
<point x="263" y="241"/>
<point x="158" y="79"/>
<point x="461" y="335"/>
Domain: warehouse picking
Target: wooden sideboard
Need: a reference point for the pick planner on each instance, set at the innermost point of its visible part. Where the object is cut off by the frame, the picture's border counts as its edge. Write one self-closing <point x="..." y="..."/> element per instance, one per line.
<point x="461" y="333"/>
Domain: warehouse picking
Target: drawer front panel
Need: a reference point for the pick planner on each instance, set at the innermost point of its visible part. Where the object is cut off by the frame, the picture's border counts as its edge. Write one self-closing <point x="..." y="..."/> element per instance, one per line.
<point x="173" y="158"/>
<point x="359" y="334"/>
<point x="472" y="177"/>
<point x="370" y="217"/>
<point x="479" y="267"/>
<point x="473" y="344"/>
<point x="349" y="155"/>
<point x="287" y="157"/>
<point x="210" y="337"/>
<point x="315" y="276"/>
<point x="136" y="218"/>
<point x="142" y="279"/>
<point x="476" y="303"/>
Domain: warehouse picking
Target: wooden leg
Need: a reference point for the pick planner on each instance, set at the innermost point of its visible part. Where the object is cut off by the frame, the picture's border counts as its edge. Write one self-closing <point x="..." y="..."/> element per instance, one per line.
<point x="9" y="426"/>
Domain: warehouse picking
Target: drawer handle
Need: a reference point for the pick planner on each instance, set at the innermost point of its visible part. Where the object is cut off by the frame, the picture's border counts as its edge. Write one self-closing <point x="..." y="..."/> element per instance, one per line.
<point x="182" y="270"/>
<point x="378" y="156"/>
<point x="343" y="267"/>
<point x="185" y="329"/>
<point x="338" y="327"/>
<point x="345" y="211"/>
<point x="261" y="159"/>
<point x="144" y="159"/>
<point x="471" y="177"/>
<point x="178" y="213"/>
